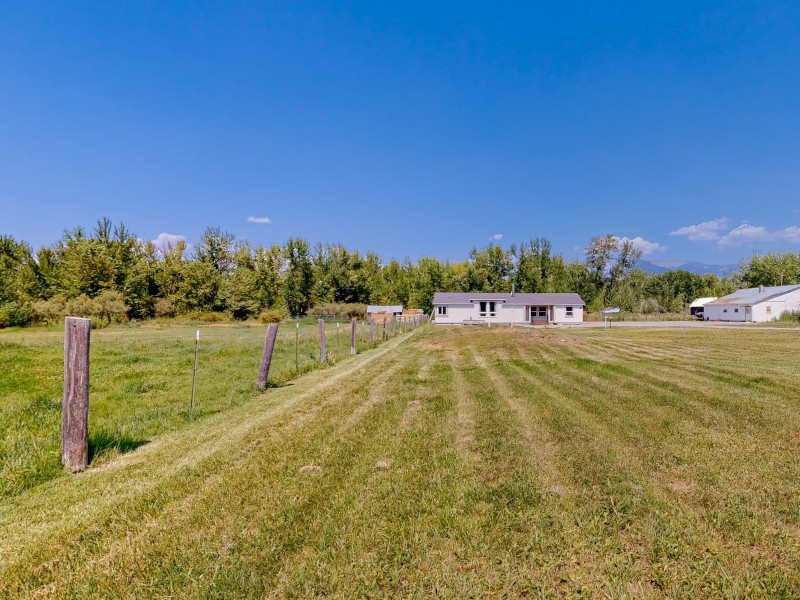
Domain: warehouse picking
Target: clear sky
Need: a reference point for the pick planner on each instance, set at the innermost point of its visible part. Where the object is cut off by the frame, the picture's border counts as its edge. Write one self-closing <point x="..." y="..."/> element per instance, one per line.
<point x="407" y="128"/>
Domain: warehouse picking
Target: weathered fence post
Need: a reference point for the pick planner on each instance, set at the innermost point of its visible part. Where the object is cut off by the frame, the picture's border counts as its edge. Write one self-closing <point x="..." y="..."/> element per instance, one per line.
<point x="384" y="329"/>
<point x="75" y="409"/>
<point x="323" y="354"/>
<point x="394" y="320"/>
<point x="266" y="356"/>
<point x="371" y="333"/>
<point x="353" y="331"/>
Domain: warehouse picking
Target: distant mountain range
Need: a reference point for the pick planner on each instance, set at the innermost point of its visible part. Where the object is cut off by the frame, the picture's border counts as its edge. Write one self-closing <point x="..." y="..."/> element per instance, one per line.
<point x="662" y="266"/>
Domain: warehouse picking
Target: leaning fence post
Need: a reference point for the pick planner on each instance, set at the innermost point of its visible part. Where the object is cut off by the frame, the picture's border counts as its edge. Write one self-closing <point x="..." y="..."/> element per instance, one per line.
<point x="353" y="331"/>
<point x="266" y="356"/>
<point x="371" y="333"/>
<point x="323" y="354"/>
<point x="75" y="408"/>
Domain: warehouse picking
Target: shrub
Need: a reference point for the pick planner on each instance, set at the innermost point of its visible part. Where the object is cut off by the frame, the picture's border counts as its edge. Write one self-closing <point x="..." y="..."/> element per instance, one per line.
<point x="212" y="317"/>
<point x="50" y="311"/>
<point x="165" y="308"/>
<point x="790" y="317"/>
<point x="111" y="305"/>
<point x="270" y="316"/>
<point x="650" y="306"/>
<point x="15" y="315"/>
<point x="82" y="306"/>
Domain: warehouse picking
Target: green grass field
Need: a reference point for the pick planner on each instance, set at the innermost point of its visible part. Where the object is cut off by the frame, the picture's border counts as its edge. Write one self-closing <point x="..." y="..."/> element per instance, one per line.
<point x="141" y="381"/>
<point x="449" y="463"/>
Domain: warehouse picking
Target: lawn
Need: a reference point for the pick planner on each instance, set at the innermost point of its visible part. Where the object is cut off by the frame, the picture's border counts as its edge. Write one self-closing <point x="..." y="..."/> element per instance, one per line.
<point x="141" y="381"/>
<point x="451" y="463"/>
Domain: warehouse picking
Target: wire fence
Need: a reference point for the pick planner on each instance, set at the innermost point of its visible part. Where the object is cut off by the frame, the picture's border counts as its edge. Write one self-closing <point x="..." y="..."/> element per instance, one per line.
<point x="141" y="383"/>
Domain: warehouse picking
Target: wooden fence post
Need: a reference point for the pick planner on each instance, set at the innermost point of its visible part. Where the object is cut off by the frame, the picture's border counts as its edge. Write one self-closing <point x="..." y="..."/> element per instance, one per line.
<point x="394" y="320"/>
<point x="384" y="329"/>
<point x="353" y="331"/>
<point x="75" y="408"/>
<point x="371" y="333"/>
<point x="323" y="354"/>
<point x="266" y="356"/>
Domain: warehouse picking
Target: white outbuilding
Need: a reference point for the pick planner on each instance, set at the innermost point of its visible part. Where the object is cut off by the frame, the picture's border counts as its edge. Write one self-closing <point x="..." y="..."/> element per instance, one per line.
<point x="468" y="308"/>
<point x="698" y="304"/>
<point x="754" y="305"/>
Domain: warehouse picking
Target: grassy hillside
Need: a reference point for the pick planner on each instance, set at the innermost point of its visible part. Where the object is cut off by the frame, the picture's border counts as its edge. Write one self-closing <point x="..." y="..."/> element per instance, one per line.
<point x="452" y="463"/>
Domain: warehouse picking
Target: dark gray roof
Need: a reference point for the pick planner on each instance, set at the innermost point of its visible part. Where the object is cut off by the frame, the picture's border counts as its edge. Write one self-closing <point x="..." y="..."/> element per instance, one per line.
<point x="750" y="296"/>
<point x="517" y="299"/>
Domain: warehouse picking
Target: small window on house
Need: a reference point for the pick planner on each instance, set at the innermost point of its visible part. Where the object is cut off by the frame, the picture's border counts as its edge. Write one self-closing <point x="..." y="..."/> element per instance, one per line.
<point x="492" y="313"/>
<point x="724" y="310"/>
<point x="483" y="309"/>
<point x="769" y="310"/>
<point x="569" y="311"/>
<point x="441" y="310"/>
<point x="542" y="311"/>
<point x="735" y="310"/>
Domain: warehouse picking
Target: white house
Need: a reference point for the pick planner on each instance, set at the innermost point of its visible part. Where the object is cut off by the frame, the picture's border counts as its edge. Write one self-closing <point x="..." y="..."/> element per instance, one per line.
<point x="459" y="308"/>
<point x="754" y="305"/>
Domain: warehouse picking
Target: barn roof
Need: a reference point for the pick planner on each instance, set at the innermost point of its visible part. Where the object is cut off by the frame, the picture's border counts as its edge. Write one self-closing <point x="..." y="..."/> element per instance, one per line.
<point x="510" y="299"/>
<point x="377" y="308"/>
<point x="700" y="302"/>
<point x="750" y="296"/>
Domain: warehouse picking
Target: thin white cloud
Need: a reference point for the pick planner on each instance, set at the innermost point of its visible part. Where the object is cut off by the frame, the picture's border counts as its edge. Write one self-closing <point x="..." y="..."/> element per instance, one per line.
<point x="647" y="247"/>
<point x="258" y="220"/>
<point x="496" y="237"/>
<point x="706" y="231"/>
<point x="747" y="234"/>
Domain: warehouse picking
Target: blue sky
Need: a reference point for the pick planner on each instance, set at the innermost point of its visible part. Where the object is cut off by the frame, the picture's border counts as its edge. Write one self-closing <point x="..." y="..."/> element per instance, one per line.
<point x="410" y="129"/>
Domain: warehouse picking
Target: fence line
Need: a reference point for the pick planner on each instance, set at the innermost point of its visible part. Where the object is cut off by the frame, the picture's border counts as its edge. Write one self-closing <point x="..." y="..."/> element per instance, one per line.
<point x="76" y="366"/>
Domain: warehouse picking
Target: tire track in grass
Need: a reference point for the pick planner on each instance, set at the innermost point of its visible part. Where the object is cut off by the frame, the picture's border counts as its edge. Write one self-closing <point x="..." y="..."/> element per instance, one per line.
<point x="543" y="459"/>
<point x="465" y="415"/>
<point x="416" y="490"/>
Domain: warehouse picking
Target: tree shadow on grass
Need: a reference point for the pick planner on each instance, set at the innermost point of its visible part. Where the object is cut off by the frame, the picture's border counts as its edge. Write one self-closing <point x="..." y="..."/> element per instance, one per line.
<point x="103" y="443"/>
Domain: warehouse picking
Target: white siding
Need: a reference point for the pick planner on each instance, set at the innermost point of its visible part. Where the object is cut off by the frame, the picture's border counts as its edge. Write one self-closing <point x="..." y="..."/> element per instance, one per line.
<point x="768" y="311"/>
<point x="723" y="313"/>
<point x="560" y="314"/>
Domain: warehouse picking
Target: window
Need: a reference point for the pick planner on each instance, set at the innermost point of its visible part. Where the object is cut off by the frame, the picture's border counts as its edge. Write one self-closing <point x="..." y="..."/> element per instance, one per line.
<point x="724" y="310"/>
<point x="538" y="311"/>
<point x="735" y="310"/>
<point x="441" y="310"/>
<point x="491" y="312"/>
<point x="569" y="311"/>
<point x="769" y="310"/>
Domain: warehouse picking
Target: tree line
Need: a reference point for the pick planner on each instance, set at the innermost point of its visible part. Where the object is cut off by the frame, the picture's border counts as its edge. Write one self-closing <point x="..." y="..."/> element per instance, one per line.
<point x="109" y="273"/>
